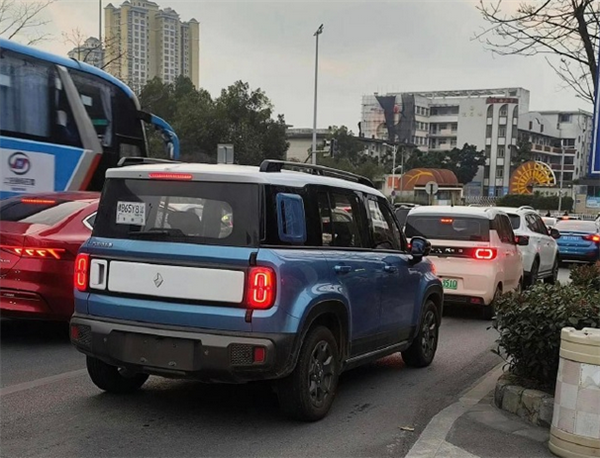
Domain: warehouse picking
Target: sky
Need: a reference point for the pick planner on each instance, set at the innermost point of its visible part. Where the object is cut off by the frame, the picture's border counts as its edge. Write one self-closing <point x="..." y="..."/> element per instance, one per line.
<point x="365" y="47"/>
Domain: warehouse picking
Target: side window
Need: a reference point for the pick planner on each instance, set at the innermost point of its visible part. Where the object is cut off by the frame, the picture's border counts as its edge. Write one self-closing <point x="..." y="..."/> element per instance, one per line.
<point x="531" y="223"/>
<point x="339" y="225"/>
<point x="385" y="233"/>
<point x="540" y="227"/>
<point x="508" y="236"/>
<point x="25" y="95"/>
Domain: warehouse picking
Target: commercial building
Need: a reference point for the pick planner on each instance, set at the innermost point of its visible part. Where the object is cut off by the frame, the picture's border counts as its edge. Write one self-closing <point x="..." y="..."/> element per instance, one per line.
<point x="90" y="52"/>
<point x="144" y="41"/>
<point x="491" y="119"/>
<point x="300" y="141"/>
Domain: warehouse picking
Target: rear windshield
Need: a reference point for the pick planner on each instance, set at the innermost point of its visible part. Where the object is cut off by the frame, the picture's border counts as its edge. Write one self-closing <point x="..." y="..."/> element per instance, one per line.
<point x="38" y="211"/>
<point x="515" y="220"/>
<point x="172" y="211"/>
<point x="448" y="227"/>
<point x="577" y="226"/>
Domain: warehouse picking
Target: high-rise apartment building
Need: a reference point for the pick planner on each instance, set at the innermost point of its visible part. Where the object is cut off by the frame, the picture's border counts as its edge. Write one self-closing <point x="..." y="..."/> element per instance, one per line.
<point x="144" y="41"/>
<point x="491" y="119"/>
<point x="90" y="52"/>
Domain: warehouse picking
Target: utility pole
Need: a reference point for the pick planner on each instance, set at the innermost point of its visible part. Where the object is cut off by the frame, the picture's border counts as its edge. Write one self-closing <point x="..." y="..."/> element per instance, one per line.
<point x="314" y="134"/>
<point x="100" y="21"/>
<point x="562" y="174"/>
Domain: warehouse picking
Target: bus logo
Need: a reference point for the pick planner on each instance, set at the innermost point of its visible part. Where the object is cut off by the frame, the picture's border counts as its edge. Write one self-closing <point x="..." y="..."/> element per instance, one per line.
<point x="19" y="163"/>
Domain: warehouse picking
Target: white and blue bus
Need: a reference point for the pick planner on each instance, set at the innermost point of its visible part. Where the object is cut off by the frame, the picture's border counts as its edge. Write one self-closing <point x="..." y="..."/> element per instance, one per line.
<point x="64" y="122"/>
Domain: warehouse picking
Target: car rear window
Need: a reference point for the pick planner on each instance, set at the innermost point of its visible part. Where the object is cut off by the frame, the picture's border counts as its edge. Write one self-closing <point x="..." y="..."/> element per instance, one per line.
<point x="189" y="212"/>
<point x="38" y="211"/>
<point x="577" y="226"/>
<point x="448" y="227"/>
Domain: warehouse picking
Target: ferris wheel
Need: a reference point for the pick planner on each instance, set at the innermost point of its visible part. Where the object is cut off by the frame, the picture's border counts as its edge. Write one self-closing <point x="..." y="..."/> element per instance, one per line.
<point x="529" y="175"/>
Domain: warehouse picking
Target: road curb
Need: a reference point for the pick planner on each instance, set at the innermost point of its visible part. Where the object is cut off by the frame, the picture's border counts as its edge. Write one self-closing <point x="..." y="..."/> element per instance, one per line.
<point x="534" y="406"/>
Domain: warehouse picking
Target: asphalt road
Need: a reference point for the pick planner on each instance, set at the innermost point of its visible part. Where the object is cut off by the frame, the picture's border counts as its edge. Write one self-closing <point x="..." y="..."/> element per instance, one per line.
<point x="49" y="408"/>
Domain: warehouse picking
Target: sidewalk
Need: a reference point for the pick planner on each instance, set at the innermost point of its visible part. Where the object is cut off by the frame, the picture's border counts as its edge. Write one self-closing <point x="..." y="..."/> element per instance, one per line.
<point x="473" y="427"/>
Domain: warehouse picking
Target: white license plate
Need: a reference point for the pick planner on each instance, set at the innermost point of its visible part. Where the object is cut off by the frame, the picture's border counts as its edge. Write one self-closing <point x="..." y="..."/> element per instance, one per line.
<point x="131" y="213"/>
<point x="570" y="238"/>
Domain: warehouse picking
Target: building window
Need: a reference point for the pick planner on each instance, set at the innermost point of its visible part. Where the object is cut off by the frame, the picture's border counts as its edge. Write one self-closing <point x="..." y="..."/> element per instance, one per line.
<point x="453" y="142"/>
<point x="490" y="112"/>
<point x="501" y="151"/>
<point x="504" y="110"/>
<point x="488" y="151"/>
<point x="564" y="117"/>
<point x="502" y="131"/>
<point x="500" y="172"/>
<point x="454" y="127"/>
<point x="530" y="125"/>
<point x="488" y="131"/>
<point x="542" y="128"/>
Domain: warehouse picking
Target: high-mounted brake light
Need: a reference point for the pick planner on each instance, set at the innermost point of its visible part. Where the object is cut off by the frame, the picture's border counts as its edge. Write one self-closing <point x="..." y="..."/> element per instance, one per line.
<point x="28" y="200"/>
<point x="485" y="253"/>
<point x="592" y="238"/>
<point x="32" y="252"/>
<point x="170" y="176"/>
<point x="446" y="220"/>
<point x="82" y="268"/>
<point x="260" y="288"/>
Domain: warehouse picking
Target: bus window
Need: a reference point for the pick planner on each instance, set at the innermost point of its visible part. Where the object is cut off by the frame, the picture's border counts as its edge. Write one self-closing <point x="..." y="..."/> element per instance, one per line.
<point x="25" y="96"/>
<point x="96" y="96"/>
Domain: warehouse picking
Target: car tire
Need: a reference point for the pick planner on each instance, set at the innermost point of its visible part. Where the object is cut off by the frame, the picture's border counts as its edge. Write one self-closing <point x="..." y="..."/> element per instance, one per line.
<point x="532" y="276"/>
<point x="553" y="278"/>
<point x="308" y="392"/>
<point x="110" y="379"/>
<point x="489" y="311"/>
<point x="423" y="347"/>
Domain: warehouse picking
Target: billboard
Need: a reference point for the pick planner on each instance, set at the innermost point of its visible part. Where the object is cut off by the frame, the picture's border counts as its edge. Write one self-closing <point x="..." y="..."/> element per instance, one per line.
<point x="594" y="161"/>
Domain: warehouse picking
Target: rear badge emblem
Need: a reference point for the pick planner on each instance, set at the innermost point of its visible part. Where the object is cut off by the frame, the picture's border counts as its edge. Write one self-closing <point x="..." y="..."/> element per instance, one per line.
<point x="158" y="280"/>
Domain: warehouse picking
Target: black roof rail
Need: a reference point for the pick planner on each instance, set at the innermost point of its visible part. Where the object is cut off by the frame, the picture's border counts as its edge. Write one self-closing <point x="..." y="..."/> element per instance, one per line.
<point x="271" y="165"/>
<point x="136" y="160"/>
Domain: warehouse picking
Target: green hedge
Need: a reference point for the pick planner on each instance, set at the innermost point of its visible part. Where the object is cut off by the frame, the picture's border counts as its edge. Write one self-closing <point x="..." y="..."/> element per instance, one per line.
<point x="586" y="276"/>
<point x="529" y="325"/>
<point x="538" y="202"/>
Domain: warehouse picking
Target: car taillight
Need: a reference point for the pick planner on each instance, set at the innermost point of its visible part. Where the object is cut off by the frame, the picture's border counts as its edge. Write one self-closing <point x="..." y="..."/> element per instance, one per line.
<point x="33" y="252"/>
<point x="170" y="176"/>
<point x="82" y="265"/>
<point x="485" y="253"/>
<point x="592" y="238"/>
<point x="260" y="288"/>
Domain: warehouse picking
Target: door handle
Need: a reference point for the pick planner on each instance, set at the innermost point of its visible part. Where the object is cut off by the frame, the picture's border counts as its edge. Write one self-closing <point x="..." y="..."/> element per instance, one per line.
<point x="390" y="269"/>
<point x="341" y="269"/>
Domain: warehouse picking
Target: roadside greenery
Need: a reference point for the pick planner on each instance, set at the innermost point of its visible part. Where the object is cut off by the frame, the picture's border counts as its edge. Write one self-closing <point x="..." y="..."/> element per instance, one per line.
<point x="530" y="324"/>
<point x="536" y="200"/>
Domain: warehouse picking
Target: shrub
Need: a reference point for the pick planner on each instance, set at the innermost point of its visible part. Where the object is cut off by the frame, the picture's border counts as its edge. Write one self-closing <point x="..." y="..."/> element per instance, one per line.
<point x="530" y="324"/>
<point x="586" y="276"/>
<point x="536" y="201"/>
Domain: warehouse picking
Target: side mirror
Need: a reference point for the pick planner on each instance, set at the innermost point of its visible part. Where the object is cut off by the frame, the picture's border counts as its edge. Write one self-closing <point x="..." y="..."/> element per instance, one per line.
<point x="554" y="233"/>
<point x="522" y="240"/>
<point x="291" y="219"/>
<point x="419" y="248"/>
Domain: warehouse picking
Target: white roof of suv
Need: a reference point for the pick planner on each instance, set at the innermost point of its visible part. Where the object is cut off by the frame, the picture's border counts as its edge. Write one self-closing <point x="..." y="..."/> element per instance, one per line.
<point x="477" y="212"/>
<point x="237" y="174"/>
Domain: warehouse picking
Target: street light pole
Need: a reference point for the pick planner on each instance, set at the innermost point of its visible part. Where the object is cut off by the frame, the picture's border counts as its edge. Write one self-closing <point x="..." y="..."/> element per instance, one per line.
<point x="562" y="174"/>
<point x="314" y="134"/>
<point x="394" y="173"/>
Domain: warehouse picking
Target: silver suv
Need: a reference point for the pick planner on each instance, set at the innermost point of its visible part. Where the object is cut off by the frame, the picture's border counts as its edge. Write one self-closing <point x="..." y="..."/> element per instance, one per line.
<point x="540" y="256"/>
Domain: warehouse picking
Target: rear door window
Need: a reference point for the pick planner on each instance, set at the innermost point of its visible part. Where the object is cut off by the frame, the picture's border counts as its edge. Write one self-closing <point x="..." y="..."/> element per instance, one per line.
<point x="188" y="212"/>
<point x="339" y="214"/>
<point x="448" y="227"/>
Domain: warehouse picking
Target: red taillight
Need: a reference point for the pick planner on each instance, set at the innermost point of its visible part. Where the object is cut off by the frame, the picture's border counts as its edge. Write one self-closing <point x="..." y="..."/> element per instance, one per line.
<point x="485" y="253"/>
<point x="28" y="200"/>
<point x="260" y="289"/>
<point x="260" y="355"/>
<point x="80" y="278"/>
<point x="32" y="252"/>
<point x="446" y="220"/>
<point x="169" y="176"/>
<point x="592" y="238"/>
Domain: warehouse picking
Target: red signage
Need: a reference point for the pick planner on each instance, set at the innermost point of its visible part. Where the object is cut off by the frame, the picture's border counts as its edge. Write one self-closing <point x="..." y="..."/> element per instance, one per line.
<point x="501" y="100"/>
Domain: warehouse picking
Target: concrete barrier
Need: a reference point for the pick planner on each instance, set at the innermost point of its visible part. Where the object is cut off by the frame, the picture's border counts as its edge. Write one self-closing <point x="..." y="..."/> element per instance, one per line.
<point x="575" y="430"/>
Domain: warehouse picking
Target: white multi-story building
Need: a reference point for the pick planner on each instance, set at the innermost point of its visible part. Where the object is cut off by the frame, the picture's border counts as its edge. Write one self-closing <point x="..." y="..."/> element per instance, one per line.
<point x="90" y="52"/>
<point x="442" y="120"/>
<point x="144" y="41"/>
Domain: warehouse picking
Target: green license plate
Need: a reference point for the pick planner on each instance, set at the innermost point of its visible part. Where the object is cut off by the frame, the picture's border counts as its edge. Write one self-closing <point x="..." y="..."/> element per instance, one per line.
<point x="449" y="284"/>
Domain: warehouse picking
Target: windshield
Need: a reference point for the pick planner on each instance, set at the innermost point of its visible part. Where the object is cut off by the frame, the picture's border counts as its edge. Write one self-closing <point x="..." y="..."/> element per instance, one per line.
<point x="448" y="227"/>
<point x="189" y="212"/>
<point x="577" y="226"/>
<point x="38" y="211"/>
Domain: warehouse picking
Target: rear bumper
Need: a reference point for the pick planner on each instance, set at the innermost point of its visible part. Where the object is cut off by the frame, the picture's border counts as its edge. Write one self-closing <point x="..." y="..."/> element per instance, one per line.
<point x="579" y="255"/>
<point x="20" y="304"/>
<point x="475" y="279"/>
<point x="183" y="352"/>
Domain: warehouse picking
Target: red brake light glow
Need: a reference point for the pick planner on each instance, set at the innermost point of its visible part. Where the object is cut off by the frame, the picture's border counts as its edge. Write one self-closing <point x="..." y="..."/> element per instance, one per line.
<point x="170" y="176"/>
<point x="28" y="200"/>
<point x="260" y="289"/>
<point x="486" y="253"/>
<point x="592" y="238"/>
<point x="80" y="278"/>
<point x="32" y="252"/>
<point x="447" y="220"/>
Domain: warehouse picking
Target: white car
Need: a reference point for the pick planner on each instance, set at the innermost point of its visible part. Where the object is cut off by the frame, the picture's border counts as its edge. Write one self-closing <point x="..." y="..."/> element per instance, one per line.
<point x="540" y="256"/>
<point x="474" y="250"/>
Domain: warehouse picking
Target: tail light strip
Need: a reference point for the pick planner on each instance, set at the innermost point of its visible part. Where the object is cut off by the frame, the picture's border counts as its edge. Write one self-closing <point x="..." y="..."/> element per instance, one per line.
<point x="33" y="252"/>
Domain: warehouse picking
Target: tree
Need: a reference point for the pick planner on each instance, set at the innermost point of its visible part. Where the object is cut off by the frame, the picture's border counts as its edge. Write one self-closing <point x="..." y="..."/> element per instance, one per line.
<point x="347" y="145"/>
<point x="20" y="20"/>
<point x="87" y="46"/>
<point x="521" y="153"/>
<point x="565" y="31"/>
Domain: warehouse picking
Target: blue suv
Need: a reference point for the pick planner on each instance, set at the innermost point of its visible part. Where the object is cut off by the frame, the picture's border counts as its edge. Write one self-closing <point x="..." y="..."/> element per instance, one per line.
<point x="225" y="273"/>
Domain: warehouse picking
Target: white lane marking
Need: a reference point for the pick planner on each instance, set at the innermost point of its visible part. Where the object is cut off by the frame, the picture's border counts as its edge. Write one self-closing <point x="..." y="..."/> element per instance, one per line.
<point x="433" y="438"/>
<point x="40" y="382"/>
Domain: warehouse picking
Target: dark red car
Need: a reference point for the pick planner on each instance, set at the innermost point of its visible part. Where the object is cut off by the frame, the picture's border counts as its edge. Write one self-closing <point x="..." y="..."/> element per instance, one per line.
<point x="40" y="235"/>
